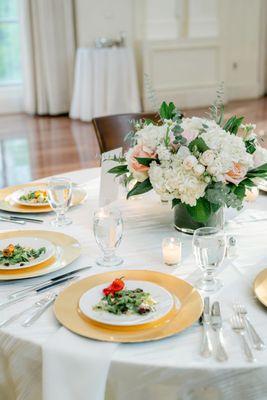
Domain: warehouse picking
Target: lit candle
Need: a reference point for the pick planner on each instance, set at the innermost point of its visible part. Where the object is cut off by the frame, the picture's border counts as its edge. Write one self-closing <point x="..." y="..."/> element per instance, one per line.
<point x="172" y="251"/>
<point x="251" y="194"/>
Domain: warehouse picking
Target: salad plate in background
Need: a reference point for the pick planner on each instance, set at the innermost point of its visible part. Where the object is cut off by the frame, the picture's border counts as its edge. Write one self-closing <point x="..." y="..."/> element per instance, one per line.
<point x="24" y="252"/>
<point x="34" y="196"/>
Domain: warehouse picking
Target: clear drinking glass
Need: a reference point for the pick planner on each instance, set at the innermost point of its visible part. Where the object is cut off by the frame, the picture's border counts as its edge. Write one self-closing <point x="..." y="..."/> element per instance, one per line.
<point x="209" y="246"/>
<point x="59" y="197"/>
<point x="108" y="228"/>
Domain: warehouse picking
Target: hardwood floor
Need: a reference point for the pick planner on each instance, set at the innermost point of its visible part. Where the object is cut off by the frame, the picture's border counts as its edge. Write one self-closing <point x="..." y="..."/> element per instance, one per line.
<point x="35" y="147"/>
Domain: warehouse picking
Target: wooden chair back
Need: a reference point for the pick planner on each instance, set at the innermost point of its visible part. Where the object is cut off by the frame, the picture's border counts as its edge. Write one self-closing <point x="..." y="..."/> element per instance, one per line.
<point x="111" y="130"/>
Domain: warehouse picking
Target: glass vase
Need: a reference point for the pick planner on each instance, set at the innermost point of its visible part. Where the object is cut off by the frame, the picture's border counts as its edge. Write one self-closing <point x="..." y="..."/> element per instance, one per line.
<point x="183" y="221"/>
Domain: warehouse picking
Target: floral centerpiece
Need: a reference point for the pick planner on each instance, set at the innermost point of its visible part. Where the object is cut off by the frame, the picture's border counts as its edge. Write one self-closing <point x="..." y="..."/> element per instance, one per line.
<point x="201" y="165"/>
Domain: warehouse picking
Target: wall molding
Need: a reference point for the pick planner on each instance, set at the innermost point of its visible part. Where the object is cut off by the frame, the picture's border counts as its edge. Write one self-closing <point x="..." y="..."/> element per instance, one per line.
<point x="199" y="80"/>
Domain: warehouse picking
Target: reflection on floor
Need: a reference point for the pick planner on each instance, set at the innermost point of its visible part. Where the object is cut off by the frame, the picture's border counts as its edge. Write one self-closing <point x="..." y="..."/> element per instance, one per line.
<point x="35" y="147"/>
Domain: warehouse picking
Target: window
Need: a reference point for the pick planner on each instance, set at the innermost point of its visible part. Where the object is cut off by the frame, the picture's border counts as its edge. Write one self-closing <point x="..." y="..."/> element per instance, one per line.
<point x="10" y="66"/>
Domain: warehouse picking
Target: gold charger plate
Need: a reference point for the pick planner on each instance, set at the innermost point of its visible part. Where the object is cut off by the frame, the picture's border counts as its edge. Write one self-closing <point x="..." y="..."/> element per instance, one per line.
<point x="68" y="250"/>
<point x="260" y="287"/>
<point x="67" y="310"/>
<point x="8" y="204"/>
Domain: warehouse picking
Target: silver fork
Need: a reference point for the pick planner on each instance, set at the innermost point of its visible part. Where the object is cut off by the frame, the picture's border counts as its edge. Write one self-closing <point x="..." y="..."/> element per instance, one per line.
<point x="239" y="327"/>
<point x="258" y="343"/>
<point x="16" y="316"/>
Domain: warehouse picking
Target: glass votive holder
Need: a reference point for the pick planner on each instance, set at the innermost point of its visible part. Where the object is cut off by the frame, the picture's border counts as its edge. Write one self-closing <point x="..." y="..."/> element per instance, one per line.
<point x="172" y="251"/>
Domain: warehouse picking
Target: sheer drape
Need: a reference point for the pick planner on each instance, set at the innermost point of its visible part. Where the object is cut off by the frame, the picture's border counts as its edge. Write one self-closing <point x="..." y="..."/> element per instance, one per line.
<point x="48" y="52"/>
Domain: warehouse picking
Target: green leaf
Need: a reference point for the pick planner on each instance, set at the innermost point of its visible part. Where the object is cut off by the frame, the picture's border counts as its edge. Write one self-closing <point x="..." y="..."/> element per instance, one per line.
<point x="148" y="121"/>
<point x="248" y="182"/>
<point x="221" y="115"/>
<point x="233" y="124"/>
<point x="140" y="188"/>
<point x="167" y="111"/>
<point x="199" y="143"/>
<point x="240" y="191"/>
<point x="179" y="140"/>
<point x="260" y="172"/>
<point x="177" y="129"/>
<point x="119" y="170"/>
<point x="250" y="146"/>
<point x="146" y="160"/>
<point x="201" y="211"/>
<point x="175" y="202"/>
<point x="215" y="207"/>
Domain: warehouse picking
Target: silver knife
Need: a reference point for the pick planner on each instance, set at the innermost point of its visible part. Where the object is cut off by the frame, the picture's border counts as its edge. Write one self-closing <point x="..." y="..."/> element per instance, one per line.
<point x="39" y="290"/>
<point x="22" y="292"/>
<point x="26" y="219"/>
<point x="12" y="221"/>
<point x="33" y="316"/>
<point x="216" y="323"/>
<point x="206" y="345"/>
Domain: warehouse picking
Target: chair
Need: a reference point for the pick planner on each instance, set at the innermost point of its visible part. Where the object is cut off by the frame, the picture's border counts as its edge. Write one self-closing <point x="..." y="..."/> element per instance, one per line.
<point x="111" y="130"/>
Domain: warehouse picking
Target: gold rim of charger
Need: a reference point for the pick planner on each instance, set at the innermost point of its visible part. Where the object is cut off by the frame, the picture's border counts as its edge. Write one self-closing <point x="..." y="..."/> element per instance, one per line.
<point x="68" y="314"/>
<point x="260" y="287"/>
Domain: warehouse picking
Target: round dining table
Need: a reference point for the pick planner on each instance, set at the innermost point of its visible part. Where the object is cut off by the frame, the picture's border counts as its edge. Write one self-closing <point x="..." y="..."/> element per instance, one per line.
<point x="48" y="362"/>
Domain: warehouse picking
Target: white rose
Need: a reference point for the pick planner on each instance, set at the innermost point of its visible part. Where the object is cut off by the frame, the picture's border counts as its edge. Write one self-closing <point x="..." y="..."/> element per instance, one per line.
<point x="207" y="157"/>
<point x="183" y="152"/>
<point x="199" y="169"/>
<point x="140" y="176"/>
<point x="189" y="162"/>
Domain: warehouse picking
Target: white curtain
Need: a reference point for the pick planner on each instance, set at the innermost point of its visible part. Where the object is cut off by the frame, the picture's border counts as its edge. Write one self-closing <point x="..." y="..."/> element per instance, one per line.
<point x="48" y="52"/>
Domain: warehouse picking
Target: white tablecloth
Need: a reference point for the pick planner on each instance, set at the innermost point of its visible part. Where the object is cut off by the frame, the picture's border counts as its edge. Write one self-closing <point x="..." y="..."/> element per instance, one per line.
<point x="105" y="83"/>
<point x="170" y="369"/>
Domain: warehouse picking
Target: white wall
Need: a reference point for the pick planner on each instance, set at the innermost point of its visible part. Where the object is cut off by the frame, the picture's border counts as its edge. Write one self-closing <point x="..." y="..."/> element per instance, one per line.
<point x="243" y="40"/>
<point x="168" y="31"/>
<point x="11" y="99"/>
<point x="95" y="18"/>
<point x="236" y="26"/>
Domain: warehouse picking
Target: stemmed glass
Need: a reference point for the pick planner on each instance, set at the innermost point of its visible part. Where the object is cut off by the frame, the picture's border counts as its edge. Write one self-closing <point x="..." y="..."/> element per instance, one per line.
<point x="59" y="197"/>
<point x="108" y="228"/>
<point x="209" y="246"/>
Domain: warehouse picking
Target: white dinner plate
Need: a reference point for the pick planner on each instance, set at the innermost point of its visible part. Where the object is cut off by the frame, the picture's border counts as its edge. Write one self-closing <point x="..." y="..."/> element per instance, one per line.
<point x="163" y="298"/>
<point x="22" y="192"/>
<point x="31" y="242"/>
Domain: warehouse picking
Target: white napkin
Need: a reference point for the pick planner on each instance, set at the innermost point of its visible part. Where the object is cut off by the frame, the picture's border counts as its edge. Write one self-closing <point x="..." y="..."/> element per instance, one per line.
<point x="75" y="367"/>
<point x="109" y="185"/>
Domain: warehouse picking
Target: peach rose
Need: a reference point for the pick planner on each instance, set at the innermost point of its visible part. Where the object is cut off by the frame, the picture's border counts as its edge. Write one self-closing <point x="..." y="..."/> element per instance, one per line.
<point x="237" y="174"/>
<point x="138" y="151"/>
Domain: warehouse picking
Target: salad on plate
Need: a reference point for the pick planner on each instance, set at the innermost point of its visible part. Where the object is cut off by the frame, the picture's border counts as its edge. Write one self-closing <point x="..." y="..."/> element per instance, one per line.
<point x="17" y="254"/>
<point x="34" y="197"/>
<point x="118" y="300"/>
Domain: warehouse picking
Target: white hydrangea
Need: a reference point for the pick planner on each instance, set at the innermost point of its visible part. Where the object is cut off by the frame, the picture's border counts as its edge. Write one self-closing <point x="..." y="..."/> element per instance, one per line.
<point x="163" y="152"/>
<point x="195" y="123"/>
<point x="151" y="136"/>
<point x="228" y="149"/>
<point x="170" y="182"/>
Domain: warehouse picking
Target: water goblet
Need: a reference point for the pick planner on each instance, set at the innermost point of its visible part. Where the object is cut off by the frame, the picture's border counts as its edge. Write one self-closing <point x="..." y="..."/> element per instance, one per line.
<point x="59" y="197"/>
<point x="209" y="246"/>
<point x="108" y="227"/>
